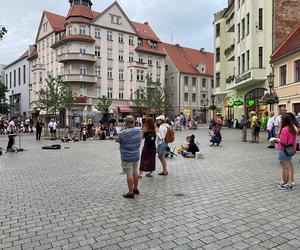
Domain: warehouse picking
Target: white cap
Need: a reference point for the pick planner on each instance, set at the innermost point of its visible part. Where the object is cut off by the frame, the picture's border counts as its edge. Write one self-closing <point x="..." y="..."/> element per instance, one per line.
<point x="161" y="117"/>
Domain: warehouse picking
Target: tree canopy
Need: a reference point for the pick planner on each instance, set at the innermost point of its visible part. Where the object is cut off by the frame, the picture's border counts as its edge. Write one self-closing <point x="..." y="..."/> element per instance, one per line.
<point x="4" y="106"/>
<point x="3" y="31"/>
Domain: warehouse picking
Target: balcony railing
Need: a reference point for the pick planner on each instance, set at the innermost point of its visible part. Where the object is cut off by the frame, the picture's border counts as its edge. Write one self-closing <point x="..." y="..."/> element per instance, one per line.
<point x="38" y="66"/>
<point x="77" y="57"/>
<point x="79" y="78"/>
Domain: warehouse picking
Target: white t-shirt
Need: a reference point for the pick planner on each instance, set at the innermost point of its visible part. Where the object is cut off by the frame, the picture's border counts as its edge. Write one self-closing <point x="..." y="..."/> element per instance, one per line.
<point x="271" y="123"/>
<point x="52" y="125"/>
<point x="161" y="134"/>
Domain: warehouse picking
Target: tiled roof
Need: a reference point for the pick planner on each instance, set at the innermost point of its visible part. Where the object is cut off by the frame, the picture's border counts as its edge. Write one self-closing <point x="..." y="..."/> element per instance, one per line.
<point x="80" y="11"/>
<point x="290" y="44"/>
<point x="145" y="31"/>
<point x="146" y="48"/>
<point x="186" y="60"/>
<point x="57" y="22"/>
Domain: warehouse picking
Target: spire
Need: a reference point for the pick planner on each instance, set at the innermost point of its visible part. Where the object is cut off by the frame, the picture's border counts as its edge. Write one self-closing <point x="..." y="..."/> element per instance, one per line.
<point x="87" y="3"/>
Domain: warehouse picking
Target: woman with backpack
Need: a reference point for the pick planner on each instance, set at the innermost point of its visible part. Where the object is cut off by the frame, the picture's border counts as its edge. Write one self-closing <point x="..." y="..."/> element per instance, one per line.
<point x="147" y="163"/>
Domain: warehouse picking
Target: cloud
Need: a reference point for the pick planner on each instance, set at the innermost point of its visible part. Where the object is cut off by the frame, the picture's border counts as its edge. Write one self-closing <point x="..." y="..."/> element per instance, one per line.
<point x="188" y="22"/>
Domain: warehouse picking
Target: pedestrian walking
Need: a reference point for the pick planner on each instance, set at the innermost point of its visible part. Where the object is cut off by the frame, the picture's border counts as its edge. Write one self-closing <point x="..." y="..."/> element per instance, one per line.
<point x="161" y="143"/>
<point x="89" y="128"/>
<point x="38" y="129"/>
<point x="147" y="163"/>
<point x="271" y="128"/>
<point x="130" y="142"/>
<point x="11" y="135"/>
<point x="286" y="150"/>
<point x="244" y="124"/>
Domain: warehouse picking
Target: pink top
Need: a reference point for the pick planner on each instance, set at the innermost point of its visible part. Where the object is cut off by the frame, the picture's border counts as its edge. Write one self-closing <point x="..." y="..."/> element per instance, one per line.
<point x="286" y="138"/>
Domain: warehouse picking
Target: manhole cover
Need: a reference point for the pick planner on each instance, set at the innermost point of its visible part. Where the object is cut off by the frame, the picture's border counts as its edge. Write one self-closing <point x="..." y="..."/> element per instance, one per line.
<point x="179" y="195"/>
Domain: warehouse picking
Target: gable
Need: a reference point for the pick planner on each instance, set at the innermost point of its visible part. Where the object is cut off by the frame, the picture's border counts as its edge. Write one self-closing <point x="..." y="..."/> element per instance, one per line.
<point x="115" y="18"/>
<point x="44" y="29"/>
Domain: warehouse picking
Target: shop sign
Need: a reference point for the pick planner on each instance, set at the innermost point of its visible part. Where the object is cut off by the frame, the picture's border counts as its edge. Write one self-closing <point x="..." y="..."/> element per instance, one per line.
<point x="229" y="103"/>
<point x="238" y="103"/>
<point x="250" y="102"/>
<point x="244" y="77"/>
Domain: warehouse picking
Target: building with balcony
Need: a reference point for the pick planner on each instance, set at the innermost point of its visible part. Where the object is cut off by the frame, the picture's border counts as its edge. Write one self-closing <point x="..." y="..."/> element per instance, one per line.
<point x="98" y="53"/>
<point x="286" y="63"/>
<point x="17" y="80"/>
<point x="189" y="80"/>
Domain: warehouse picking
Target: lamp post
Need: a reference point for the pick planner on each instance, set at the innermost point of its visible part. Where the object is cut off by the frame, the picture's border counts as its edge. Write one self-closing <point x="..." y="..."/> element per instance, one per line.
<point x="272" y="95"/>
<point x="213" y="106"/>
<point x="204" y="103"/>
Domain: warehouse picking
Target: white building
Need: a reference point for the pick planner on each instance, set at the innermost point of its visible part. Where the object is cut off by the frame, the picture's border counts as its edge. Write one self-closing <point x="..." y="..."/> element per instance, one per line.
<point x="2" y="73"/>
<point x="17" y="80"/>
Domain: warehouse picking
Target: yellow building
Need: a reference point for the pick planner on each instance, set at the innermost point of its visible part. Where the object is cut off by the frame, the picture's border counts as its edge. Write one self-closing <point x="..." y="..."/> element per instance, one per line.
<point x="286" y="62"/>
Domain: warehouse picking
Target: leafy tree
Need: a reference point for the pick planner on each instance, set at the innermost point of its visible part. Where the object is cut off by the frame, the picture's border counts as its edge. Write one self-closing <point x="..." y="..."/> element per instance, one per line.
<point x="139" y="102"/>
<point x="4" y="106"/>
<point x="103" y="106"/>
<point x="68" y="99"/>
<point x="3" y="31"/>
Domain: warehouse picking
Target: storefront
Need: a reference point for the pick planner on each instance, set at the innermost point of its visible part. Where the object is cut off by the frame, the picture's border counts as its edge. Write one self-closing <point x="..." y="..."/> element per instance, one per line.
<point x="252" y="102"/>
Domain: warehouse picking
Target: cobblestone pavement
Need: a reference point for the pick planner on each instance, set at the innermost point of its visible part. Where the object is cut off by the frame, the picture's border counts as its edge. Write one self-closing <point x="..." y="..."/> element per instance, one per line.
<point x="72" y="199"/>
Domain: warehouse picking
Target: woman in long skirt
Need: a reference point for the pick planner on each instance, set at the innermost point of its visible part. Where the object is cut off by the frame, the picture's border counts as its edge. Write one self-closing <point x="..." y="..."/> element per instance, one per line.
<point x="148" y="157"/>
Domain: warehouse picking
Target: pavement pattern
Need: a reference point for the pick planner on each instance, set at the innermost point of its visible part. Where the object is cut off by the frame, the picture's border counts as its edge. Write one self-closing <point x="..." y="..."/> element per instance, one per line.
<point x="72" y="199"/>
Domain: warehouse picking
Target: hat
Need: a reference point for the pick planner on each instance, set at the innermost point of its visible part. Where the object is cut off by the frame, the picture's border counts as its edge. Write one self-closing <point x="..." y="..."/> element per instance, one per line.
<point x="252" y="113"/>
<point x="161" y="117"/>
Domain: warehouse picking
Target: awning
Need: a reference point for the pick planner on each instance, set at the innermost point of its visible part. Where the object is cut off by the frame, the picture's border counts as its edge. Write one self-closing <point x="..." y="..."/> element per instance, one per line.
<point x="125" y="109"/>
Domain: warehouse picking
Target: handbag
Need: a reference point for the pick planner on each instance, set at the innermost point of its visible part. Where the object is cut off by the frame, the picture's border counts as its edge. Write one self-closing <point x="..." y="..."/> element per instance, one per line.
<point x="289" y="150"/>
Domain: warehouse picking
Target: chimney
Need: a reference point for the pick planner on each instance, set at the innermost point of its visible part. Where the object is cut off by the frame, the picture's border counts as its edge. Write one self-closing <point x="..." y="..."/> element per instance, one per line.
<point x="146" y="23"/>
<point x="177" y="45"/>
<point x="202" y="50"/>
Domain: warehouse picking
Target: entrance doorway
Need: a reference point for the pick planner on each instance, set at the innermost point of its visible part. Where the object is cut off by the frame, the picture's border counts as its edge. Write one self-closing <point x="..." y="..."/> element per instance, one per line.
<point x="252" y="102"/>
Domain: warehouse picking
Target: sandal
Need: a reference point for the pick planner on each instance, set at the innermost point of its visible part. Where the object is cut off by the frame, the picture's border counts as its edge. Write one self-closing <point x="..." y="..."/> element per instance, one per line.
<point x="162" y="173"/>
<point x="128" y="196"/>
<point x="149" y="175"/>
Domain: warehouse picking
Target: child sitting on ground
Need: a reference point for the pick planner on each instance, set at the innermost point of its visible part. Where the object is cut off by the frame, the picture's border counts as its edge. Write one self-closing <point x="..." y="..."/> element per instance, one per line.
<point x="190" y="149"/>
<point x="216" y="137"/>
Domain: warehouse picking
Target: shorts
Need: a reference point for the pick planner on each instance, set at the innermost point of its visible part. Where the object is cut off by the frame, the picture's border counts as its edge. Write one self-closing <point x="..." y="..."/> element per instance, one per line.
<point x="162" y="148"/>
<point x="283" y="156"/>
<point x="130" y="167"/>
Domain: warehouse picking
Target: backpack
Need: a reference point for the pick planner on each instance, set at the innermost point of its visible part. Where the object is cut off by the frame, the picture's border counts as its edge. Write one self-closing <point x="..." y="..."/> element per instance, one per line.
<point x="170" y="136"/>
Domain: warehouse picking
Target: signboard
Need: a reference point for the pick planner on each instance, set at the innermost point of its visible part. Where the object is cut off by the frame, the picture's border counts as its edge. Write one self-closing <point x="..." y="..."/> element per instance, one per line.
<point x="238" y="103"/>
<point x="251" y="102"/>
<point x="229" y="103"/>
<point x="244" y="77"/>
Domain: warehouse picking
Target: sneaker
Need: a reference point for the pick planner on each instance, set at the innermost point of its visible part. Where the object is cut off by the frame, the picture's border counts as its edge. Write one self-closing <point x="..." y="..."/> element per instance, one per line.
<point x="286" y="187"/>
<point x="128" y="196"/>
<point x="136" y="191"/>
<point x="279" y="185"/>
<point x="271" y="146"/>
<point x="293" y="183"/>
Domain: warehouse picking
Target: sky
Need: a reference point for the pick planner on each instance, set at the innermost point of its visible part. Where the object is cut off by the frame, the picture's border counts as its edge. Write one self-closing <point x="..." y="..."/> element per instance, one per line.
<point x="187" y="22"/>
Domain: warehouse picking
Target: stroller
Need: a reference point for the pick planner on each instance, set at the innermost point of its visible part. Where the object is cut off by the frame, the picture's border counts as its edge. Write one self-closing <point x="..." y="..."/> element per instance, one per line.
<point x="170" y="154"/>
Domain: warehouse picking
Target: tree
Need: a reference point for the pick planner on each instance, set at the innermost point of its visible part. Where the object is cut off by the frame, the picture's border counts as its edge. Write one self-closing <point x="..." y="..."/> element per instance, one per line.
<point x="139" y="101"/>
<point x="103" y="106"/>
<point x="68" y="100"/>
<point x="4" y="106"/>
<point x="3" y="31"/>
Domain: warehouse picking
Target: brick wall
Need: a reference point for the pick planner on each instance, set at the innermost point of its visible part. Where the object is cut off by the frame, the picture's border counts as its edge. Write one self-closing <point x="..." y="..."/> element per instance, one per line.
<point x="287" y="16"/>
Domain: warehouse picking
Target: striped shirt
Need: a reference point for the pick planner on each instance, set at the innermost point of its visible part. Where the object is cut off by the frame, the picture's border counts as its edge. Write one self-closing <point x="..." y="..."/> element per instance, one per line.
<point x="130" y="142"/>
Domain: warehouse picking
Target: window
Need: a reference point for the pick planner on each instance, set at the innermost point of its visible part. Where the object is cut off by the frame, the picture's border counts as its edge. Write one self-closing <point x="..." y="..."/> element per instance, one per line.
<point x="217" y="54"/>
<point x="239" y="32"/>
<point x="45" y="26"/>
<point x="82" y="90"/>
<point x="243" y="28"/>
<point x="203" y="82"/>
<point x="158" y="63"/>
<point x="82" y="29"/>
<point x="203" y="96"/>
<point x="140" y="75"/>
<point x="239" y="65"/>
<point x="109" y="73"/>
<point x="248" y="59"/>
<point x="130" y="56"/>
<point x="121" y="94"/>
<point x="41" y="77"/>
<point x="19" y="76"/>
<point x="109" y="36"/>
<point x="47" y="42"/>
<point x="131" y="75"/>
<point x="47" y="58"/>
<point x="110" y="93"/>
<point x="10" y="80"/>
<point x="283" y="75"/>
<point x="98" y="92"/>
<point x="6" y="80"/>
<point x="51" y="57"/>
<point x="166" y="67"/>
<point x="186" y="80"/>
<point x="152" y="45"/>
<point x="218" y="30"/>
<point x="239" y="3"/>
<point x="15" y="78"/>
<point x="243" y="63"/>
<point x="260" y="19"/>
<point x="149" y="61"/>
<point x="186" y="97"/>
<point x="83" y="69"/>
<point x="260" y="57"/>
<point x="121" y="38"/>
<point x="43" y="44"/>
<point x="97" y="32"/>
<point x="82" y="49"/>
<point x="115" y="19"/>
<point x="248" y="24"/>
<point x="212" y="82"/>
<point x="121" y="56"/>
<point x="69" y="70"/>
<point x="97" y="51"/>
<point x="109" y="54"/>
<point x="217" y="79"/>
<point x="297" y="71"/>
<point x="98" y="71"/>
<point x="131" y="94"/>
<point x="141" y="58"/>
<point x="194" y="97"/>
<point x="121" y="74"/>
<point x="131" y="40"/>
<point x="150" y="77"/>
<point x="158" y="78"/>
<point x="194" y="81"/>
<point x="140" y="42"/>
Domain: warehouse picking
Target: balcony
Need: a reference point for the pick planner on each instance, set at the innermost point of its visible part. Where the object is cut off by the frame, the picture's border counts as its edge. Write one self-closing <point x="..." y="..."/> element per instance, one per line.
<point x="77" y="57"/>
<point x="229" y="52"/>
<point x="38" y="66"/>
<point x="79" y="78"/>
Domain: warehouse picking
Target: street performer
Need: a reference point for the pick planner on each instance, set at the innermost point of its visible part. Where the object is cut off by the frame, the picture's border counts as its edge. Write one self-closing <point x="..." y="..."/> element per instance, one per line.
<point x="11" y="134"/>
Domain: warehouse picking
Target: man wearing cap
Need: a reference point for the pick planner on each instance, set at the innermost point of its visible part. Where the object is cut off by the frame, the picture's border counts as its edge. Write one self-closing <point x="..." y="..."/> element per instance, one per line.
<point x="253" y="123"/>
<point x="161" y="143"/>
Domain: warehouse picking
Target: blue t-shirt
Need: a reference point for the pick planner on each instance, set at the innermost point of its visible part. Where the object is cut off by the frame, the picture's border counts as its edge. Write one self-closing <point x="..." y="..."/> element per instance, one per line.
<point x="130" y="142"/>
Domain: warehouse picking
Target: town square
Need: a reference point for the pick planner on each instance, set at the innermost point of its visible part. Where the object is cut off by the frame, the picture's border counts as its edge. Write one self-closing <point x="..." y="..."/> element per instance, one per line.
<point x="150" y="125"/>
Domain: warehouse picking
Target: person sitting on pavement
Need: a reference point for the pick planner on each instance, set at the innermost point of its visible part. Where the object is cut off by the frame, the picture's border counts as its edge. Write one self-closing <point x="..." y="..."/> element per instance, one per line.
<point x="216" y="137"/>
<point x="191" y="149"/>
<point x="66" y="137"/>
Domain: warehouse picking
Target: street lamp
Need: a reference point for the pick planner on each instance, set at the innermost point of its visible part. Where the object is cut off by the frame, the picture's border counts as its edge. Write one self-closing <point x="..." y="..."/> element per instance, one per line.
<point x="271" y="97"/>
<point x="204" y="103"/>
<point x="213" y="107"/>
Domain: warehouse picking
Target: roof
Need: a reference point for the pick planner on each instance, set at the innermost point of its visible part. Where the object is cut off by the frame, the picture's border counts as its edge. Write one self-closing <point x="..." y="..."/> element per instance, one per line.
<point x="146" y="48"/>
<point x="145" y="31"/>
<point x="186" y="60"/>
<point x="57" y="22"/>
<point x="80" y="11"/>
<point x="289" y="45"/>
<point x="23" y="56"/>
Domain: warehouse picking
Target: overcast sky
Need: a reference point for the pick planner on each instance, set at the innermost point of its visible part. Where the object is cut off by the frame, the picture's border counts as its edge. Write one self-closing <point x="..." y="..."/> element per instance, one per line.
<point x="188" y="21"/>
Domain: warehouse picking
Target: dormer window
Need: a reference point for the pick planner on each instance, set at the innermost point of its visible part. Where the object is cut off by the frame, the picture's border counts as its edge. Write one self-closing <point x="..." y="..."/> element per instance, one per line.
<point x="115" y="19"/>
<point x="153" y="45"/>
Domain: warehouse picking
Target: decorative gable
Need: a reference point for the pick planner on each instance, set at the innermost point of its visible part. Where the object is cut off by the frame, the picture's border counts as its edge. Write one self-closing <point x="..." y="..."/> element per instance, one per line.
<point x="44" y="29"/>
